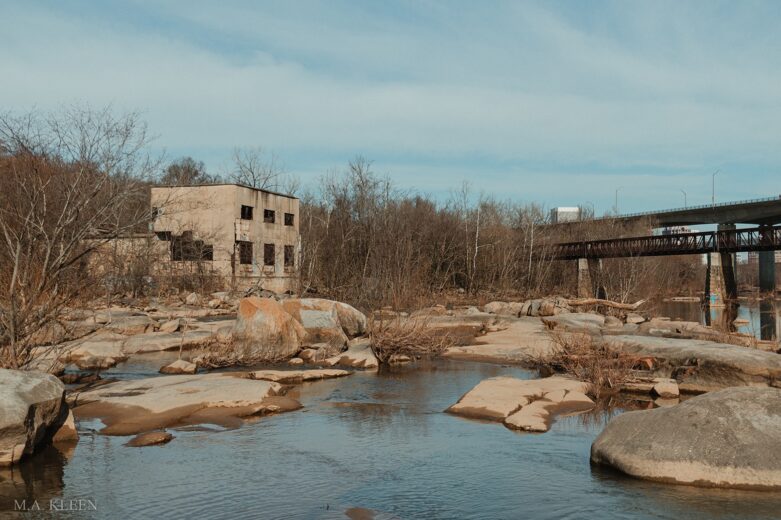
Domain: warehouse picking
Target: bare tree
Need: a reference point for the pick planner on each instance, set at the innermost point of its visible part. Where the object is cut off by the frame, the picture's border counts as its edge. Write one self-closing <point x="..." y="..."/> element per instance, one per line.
<point x="256" y="168"/>
<point x="69" y="183"/>
<point x="187" y="171"/>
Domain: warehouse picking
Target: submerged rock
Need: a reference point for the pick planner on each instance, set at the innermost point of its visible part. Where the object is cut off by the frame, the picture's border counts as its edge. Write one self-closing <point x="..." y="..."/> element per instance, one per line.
<point x="524" y="404"/>
<point x="297" y="376"/>
<point x="728" y="438"/>
<point x="150" y="439"/>
<point x="32" y="409"/>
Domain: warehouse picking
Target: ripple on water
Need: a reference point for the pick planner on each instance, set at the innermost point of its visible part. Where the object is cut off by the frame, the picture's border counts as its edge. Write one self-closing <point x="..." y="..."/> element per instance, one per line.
<point x="380" y="443"/>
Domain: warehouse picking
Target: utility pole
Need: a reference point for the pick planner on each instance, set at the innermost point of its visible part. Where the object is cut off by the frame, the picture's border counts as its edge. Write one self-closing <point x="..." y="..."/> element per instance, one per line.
<point x="685" y="204"/>
<point x="713" y="189"/>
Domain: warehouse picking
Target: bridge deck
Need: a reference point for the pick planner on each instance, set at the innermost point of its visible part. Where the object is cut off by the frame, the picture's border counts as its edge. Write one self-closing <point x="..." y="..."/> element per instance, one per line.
<point x="765" y="238"/>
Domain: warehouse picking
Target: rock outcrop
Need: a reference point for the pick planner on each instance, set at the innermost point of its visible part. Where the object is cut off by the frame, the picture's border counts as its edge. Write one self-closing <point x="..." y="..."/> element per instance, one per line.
<point x="524" y="404"/>
<point x="136" y="406"/>
<point x="524" y="341"/>
<point x="180" y="366"/>
<point x="728" y="438"/>
<point x="359" y="354"/>
<point x="703" y="366"/>
<point x="264" y="330"/>
<point x="32" y="410"/>
<point x="297" y="376"/>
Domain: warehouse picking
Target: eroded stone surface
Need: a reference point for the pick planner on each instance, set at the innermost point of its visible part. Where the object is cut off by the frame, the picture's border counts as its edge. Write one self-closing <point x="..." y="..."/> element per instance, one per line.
<point x="298" y="376"/>
<point x="264" y="329"/>
<point x="523" y="404"/>
<point x="524" y="341"/>
<point x="728" y="438"/>
<point x="702" y="366"/>
<point x="359" y="354"/>
<point x="130" y="407"/>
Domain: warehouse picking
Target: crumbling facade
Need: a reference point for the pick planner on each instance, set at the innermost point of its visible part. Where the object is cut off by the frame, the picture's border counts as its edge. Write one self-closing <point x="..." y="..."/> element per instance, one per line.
<point x="247" y="236"/>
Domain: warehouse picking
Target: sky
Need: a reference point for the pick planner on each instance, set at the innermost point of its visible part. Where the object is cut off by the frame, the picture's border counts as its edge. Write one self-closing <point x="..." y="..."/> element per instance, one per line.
<point x="560" y="103"/>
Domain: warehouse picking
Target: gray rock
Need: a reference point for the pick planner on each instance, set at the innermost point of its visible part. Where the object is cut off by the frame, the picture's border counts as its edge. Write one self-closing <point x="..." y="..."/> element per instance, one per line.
<point x="180" y="366"/>
<point x="702" y="366"/>
<point x="192" y="299"/>
<point x="32" y="409"/>
<point x="728" y="438"/>
<point x="576" y="322"/>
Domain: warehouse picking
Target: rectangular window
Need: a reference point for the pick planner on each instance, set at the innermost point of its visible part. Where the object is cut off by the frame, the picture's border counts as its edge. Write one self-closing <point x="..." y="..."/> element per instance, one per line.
<point x="269" y="254"/>
<point x="269" y="216"/>
<point x="290" y="260"/>
<point x="289" y="219"/>
<point x="246" y="212"/>
<point x="245" y="252"/>
<point x="165" y="236"/>
<point x="184" y="248"/>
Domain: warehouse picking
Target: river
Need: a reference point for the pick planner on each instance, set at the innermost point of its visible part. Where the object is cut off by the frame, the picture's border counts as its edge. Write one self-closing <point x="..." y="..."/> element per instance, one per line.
<point x="760" y="318"/>
<point x="379" y="442"/>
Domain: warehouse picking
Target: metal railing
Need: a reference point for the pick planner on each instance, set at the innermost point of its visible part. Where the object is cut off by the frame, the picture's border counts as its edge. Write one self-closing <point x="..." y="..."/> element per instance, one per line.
<point x="688" y="208"/>
<point x="764" y="238"/>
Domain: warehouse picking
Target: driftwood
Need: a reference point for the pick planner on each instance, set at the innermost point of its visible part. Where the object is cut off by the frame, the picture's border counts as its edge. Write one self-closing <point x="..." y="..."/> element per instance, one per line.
<point x="607" y="303"/>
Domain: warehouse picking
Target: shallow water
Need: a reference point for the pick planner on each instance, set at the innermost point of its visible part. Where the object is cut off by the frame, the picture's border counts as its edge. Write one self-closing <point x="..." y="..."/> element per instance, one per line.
<point x="761" y="318"/>
<point x="380" y="442"/>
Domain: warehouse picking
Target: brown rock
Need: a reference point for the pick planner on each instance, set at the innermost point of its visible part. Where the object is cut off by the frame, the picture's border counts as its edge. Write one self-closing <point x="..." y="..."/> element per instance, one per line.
<point x="150" y="439"/>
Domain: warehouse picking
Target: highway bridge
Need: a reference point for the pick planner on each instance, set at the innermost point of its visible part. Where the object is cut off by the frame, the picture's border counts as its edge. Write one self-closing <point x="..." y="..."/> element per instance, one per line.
<point x="719" y="245"/>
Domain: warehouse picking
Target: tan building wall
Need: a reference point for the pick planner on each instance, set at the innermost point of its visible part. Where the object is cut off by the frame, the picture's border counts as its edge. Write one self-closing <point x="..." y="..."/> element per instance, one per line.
<point x="206" y="222"/>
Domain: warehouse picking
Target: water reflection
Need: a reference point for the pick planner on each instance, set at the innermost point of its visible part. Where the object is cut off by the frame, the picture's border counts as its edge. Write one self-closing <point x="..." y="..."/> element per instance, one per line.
<point x="38" y="477"/>
<point x="759" y="318"/>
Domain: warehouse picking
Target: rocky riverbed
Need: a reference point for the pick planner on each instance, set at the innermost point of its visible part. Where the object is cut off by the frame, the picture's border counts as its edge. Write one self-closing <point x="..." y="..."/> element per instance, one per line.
<point x="309" y="338"/>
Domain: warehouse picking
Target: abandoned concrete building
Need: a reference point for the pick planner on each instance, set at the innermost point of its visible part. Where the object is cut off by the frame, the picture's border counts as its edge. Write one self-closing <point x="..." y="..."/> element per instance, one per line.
<point x="247" y="236"/>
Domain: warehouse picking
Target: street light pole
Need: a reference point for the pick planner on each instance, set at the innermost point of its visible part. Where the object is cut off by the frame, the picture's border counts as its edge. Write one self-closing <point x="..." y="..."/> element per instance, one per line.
<point x="713" y="189"/>
<point x="685" y="204"/>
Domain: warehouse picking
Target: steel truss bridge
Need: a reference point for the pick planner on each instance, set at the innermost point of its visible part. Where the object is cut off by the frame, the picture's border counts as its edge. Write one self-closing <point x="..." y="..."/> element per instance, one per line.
<point x="764" y="238"/>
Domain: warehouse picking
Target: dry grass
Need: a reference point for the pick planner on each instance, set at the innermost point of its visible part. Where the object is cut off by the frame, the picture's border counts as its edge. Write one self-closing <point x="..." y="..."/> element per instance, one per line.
<point x="592" y="361"/>
<point x="406" y="337"/>
<point x="223" y="354"/>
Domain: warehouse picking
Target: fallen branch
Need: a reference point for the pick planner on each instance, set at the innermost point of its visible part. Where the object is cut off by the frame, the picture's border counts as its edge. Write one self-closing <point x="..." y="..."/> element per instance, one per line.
<point x="606" y="303"/>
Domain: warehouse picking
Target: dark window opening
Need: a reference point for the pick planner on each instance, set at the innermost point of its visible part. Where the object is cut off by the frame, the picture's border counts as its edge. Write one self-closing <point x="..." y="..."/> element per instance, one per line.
<point x="184" y="248"/>
<point x="165" y="236"/>
<point x="156" y="212"/>
<point x="245" y="252"/>
<point x="289" y="257"/>
<point x="269" y="254"/>
<point x="246" y="212"/>
<point x="289" y="218"/>
<point x="269" y="216"/>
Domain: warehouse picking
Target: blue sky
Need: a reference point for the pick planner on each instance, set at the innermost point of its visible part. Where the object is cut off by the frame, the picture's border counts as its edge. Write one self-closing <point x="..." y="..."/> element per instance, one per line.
<point x="559" y="103"/>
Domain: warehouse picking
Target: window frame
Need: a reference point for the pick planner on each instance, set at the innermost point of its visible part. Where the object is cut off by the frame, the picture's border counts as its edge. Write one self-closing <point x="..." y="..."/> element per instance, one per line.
<point x="290" y="259"/>
<point x="292" y="219"/>
<point x="246" y="212"/>
<point x="242" y="246"/>
<point x="269" y="216"/>
<point x="273" y="261"/>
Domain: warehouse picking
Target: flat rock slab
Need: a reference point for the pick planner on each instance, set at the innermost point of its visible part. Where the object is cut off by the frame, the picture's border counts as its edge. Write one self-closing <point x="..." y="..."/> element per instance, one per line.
<point x="160" y="341"/>
<point x="576" y="322"/>
<point x="525" y="341"/>
<point x="524" y="404"/>
<point x="298" y="376"/>
<point x="130" y="407"/>
<point x="728" y="438"/>
<point x="703" y="366"/>
<point x="150" y="439"/>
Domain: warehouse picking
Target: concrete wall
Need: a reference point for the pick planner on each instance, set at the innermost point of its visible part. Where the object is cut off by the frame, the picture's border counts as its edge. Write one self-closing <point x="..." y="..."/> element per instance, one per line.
<point x="213" y="215"/>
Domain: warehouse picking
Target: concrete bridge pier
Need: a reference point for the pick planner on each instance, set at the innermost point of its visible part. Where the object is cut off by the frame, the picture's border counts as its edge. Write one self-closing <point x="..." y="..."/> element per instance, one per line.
<point x="767" y="264"/>
<point x="720" y="284"/>
<point x="590" y="278"/>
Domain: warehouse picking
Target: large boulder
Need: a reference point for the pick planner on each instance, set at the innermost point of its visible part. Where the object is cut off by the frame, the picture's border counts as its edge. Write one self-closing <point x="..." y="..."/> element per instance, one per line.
<point x="326" y="322"/>
<point x="504" y="308"/>
<point x="264" y="330"/>
<point x="32" y="410"/>
<point x="728" y="438"/>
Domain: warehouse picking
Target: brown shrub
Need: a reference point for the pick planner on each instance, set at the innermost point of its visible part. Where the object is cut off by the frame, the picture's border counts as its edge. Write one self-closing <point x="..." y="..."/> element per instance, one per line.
<point x="405" y="337"/>
<point x="588" y="359"/>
